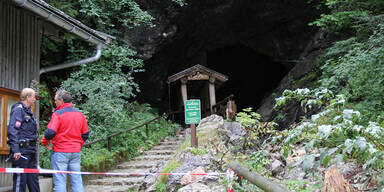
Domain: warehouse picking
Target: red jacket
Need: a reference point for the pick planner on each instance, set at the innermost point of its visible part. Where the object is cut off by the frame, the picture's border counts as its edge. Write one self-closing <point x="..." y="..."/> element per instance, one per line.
<point x="68" y="130"/>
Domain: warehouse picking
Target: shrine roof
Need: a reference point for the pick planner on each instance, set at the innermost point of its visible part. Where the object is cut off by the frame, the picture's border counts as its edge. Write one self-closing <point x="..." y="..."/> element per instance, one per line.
<point x="195" y="70"/>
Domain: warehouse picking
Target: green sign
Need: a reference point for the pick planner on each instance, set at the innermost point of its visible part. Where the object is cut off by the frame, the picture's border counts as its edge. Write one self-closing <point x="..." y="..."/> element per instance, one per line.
<point x="192" y="111"/>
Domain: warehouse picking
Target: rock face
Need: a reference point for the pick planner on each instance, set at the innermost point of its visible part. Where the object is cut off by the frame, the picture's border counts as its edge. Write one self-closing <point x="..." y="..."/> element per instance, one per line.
<point x="191" y="34"/>
<point x="277" y="29"/>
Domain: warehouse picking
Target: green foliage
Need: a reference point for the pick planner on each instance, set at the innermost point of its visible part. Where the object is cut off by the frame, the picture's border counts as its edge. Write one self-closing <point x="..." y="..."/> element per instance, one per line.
<point x="361" y="16"/>
<point x="356" y="69"/>
<point x="309" y="77"/>
<point x="198" y="151"/>
<point x="257" y="162"/>
<point x="309" y="99"/>
<point x="109" y="16"/>
<point x="180" y="2"/>
<point x="301" y="186"/>
<point x="101" y="90"/>
<point x="45" y="100"/>
<point x="106" y="16"/>
<point x="354" y="66"/>
<point x="248" y="118"/>
<point x="162" y="184"/>
<point x="124" y="146"/>
<point x="128" y="145"/>
<point x="245" y="186"/>
<point x="254" y="128"/>
<point x="161" y="187"/>
<point x="338" y="138"/>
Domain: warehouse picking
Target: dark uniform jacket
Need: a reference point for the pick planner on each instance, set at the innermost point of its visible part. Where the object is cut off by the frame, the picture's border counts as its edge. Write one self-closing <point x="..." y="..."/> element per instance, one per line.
<point x="22" y="128"/>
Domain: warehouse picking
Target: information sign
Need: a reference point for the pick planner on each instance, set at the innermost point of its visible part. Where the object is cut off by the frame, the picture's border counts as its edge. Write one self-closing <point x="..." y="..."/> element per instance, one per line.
<point x="192" y="111"/>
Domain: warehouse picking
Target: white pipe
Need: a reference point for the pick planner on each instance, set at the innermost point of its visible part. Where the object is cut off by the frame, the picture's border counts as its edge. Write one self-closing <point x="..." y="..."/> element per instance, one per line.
<point x="74" y="63"/>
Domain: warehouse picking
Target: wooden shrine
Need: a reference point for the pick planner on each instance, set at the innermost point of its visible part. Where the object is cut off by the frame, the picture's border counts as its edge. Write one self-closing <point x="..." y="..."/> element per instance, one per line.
<point x="199" y="72"/>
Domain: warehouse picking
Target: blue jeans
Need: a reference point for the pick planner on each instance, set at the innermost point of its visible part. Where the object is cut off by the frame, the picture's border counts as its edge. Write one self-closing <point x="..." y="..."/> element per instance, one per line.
<point x="66" y="162"/>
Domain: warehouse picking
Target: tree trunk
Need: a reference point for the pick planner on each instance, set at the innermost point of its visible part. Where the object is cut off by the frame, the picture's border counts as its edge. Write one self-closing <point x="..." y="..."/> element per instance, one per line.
<point x="335" y="182"/>
<point x="260" y="181"/>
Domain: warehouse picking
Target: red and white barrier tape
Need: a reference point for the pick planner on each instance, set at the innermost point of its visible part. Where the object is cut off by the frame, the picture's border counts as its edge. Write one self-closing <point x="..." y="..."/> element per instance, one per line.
<point x="48" y="171"/>
<point x="229" y="173"/>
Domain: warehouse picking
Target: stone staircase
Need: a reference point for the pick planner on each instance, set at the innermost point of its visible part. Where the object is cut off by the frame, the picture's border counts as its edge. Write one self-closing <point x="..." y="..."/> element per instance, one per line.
<point x="150" y="161"/>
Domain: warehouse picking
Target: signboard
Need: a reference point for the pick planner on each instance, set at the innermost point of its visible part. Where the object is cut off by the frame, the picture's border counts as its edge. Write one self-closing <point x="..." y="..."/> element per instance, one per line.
<point x="192" y="111"/>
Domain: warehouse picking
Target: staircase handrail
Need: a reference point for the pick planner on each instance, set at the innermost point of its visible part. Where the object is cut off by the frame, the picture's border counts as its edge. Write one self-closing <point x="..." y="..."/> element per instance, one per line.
<point x="219" y="103"/>
<point x="108" y="137"/>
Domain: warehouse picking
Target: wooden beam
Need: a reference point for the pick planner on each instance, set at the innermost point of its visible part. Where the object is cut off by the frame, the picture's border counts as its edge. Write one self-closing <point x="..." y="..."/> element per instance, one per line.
<point x="212" y="94"/>
<point x="260" y="181"/>
<point x="184" y="92"/>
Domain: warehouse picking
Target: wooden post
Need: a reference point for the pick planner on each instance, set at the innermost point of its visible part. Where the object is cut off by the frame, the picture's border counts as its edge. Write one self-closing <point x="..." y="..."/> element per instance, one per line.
<point x="260" y="181"/>
<point x="109" y="145"/>
<point x="184" y="88"/>
<point x="185" y="97"/>
<point x="212" y="94"/>
<point x="193" y="136"/>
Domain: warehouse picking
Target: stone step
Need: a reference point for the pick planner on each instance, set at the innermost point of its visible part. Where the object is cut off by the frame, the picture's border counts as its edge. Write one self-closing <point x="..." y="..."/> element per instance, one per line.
<point x="139" y="165"/>
<point x="117" y="181"/>
<point x="159" y="152"/>
<point x="153" y="158"/>
<point x="130" y="171"/>
<point x="169" y="143"/>
<point x="102" y="188"/>
<point x="149" y="161"/>
<point x="165" y="147"/>
<point x="176" y="138"/>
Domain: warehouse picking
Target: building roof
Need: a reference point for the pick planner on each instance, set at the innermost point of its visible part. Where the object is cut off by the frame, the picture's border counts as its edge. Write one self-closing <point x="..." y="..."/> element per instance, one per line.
<point x="64" y="21"/>
<point x="198" y="72"/>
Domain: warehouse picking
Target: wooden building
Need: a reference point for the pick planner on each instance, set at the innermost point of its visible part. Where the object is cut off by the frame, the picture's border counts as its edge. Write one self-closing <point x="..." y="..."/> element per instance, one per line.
<point x="21" y="25"/>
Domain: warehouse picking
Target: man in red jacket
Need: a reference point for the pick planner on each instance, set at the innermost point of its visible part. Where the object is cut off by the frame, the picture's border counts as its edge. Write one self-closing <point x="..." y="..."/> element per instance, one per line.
<point x="68" y="131"/>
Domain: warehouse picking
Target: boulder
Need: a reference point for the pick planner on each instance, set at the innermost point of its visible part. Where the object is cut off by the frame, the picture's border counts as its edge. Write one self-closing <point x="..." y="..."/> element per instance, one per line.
<point x="190" y="178"/>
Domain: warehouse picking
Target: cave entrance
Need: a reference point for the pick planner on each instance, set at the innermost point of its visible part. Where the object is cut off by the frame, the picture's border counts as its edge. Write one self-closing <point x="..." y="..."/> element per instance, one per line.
<point x="198" y="82"/>
<point x="254" y="76"/>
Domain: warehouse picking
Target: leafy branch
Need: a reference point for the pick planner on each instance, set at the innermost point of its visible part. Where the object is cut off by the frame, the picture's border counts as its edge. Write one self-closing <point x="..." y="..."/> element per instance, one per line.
<point x="334" y="134"/>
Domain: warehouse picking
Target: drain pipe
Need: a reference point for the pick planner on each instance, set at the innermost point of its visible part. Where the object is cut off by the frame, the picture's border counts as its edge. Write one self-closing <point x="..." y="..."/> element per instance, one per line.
<point x="74" y="63"/>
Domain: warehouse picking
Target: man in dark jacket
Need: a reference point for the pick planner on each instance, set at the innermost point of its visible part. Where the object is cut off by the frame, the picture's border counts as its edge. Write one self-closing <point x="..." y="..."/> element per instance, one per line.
<point x="68" y="131"/>
<point x="22" y="136"/>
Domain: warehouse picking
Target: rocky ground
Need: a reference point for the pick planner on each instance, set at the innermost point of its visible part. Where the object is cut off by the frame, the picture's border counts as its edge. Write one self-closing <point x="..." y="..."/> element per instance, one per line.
<point x="219" y="142"/>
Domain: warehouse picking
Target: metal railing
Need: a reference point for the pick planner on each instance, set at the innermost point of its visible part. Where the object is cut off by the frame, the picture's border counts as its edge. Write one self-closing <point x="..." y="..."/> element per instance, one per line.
<point x="109" y="137"/>
<point x="215" y="108"/>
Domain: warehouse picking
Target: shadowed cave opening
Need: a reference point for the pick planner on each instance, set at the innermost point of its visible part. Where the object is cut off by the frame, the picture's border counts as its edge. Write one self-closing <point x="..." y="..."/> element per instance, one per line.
<point x="252" y="77"/>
